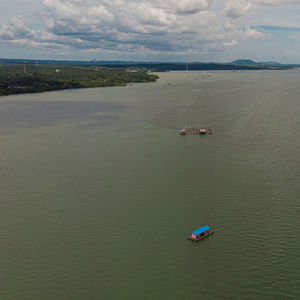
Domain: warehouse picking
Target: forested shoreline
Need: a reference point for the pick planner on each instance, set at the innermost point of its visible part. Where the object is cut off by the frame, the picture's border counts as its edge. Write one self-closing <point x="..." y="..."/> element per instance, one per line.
<point x="22" y="78"/>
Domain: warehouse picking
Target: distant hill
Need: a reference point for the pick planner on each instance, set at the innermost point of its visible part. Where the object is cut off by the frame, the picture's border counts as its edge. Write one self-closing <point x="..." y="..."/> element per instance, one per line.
<point x="240" y="64"/>
<point x="243" y="62"/>
<point x="249" y="62"/>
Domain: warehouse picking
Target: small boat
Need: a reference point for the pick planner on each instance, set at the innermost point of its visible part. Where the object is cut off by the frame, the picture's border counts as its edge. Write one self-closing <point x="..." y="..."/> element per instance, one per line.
<point x="199" y="233"/>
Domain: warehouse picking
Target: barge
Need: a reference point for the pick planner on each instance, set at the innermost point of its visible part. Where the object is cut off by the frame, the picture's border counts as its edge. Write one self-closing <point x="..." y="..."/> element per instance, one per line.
<point x="200" y="131"/>
<point x="200" y="233"/>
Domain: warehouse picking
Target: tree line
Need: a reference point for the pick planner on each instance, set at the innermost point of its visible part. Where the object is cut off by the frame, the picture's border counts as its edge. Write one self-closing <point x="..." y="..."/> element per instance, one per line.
<point x="22" y="78"/>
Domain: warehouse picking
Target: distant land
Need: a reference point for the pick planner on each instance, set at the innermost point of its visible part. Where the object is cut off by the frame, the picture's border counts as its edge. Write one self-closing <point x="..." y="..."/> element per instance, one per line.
<point x="240" y="64"/>
<point x="35" y="78"/>
<point x="249" y="62"/>
<point x="18" y="76"/>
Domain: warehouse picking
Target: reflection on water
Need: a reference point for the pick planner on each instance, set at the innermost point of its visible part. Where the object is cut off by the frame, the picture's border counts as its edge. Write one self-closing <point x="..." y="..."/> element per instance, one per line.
<point x="98" y="190"/>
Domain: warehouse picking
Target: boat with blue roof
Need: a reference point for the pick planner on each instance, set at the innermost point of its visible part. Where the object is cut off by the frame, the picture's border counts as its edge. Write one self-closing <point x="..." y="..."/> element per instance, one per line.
<point x="200" y="233"/>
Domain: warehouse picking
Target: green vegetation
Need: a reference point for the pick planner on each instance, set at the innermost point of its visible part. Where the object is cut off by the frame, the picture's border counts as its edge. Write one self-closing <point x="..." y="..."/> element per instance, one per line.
<point x="30" y="78"/>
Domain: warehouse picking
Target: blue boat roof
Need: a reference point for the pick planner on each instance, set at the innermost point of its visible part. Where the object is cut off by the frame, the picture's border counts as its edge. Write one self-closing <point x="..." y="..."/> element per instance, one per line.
<point x="201" y="230"/>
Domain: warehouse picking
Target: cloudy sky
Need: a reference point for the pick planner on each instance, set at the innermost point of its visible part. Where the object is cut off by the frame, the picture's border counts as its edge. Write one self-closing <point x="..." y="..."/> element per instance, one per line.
<point x="157" y="30"/>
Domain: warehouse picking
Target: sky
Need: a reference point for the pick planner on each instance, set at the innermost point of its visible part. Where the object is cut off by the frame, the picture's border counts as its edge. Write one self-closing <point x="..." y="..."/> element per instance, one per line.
<point x="157" y="30"/>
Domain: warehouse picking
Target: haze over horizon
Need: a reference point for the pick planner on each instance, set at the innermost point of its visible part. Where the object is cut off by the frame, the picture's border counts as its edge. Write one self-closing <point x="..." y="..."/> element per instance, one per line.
<point x="158" y="30"/>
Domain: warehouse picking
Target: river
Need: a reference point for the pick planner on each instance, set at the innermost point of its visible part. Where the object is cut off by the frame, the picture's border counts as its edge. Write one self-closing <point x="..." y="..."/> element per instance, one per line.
<point x="98" y="190"/>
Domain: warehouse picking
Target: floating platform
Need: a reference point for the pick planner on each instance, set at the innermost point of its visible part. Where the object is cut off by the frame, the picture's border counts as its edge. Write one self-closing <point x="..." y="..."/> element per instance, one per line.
<point x="200" y="131"/>
<point x="200" y="233"/>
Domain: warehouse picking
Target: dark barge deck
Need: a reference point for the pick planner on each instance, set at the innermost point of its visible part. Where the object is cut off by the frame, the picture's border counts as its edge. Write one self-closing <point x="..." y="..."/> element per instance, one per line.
<point x="200" y="131"/>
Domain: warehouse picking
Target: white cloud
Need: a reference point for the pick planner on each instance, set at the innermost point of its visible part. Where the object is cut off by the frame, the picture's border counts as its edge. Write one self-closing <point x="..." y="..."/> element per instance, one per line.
<point x="230" y="44"/>
<point x="140" y="25"/>
<point x="237" y="8"/>
<point x="252" y="33"/>
<point x="15" y="29"/>
<point x="277" y="2"/>
<point x="190" y="6"/>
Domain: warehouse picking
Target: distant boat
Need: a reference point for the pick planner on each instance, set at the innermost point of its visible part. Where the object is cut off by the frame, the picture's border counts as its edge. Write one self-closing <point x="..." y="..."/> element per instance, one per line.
<point x="200" y="233"/>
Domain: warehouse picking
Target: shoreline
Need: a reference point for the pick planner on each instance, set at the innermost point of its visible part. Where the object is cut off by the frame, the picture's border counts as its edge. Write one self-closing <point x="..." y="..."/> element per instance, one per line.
<point x="20" y="79"/>
<point x="72" y="89"/>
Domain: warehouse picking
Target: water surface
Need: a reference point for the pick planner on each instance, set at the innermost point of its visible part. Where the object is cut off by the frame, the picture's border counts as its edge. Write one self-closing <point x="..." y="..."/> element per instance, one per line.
<point x="98" y="190"/>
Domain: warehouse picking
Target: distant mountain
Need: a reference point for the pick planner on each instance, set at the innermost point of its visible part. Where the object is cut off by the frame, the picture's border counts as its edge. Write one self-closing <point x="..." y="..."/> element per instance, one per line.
<point x="249" y="62"/>
<point x="243" y="62"/>
<point x="240" y="64"/>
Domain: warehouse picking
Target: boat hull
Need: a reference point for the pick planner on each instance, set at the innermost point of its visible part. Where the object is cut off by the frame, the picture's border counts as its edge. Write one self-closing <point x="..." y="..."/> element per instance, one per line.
<point x="199" y="238"/>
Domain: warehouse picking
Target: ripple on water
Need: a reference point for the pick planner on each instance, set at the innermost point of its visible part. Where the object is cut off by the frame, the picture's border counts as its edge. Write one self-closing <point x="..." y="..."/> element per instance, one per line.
<point x="87" y="213"/>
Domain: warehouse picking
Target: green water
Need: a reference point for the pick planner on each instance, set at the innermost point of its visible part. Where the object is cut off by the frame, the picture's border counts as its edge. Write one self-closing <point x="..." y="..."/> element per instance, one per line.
<point x="98" y="190"/>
